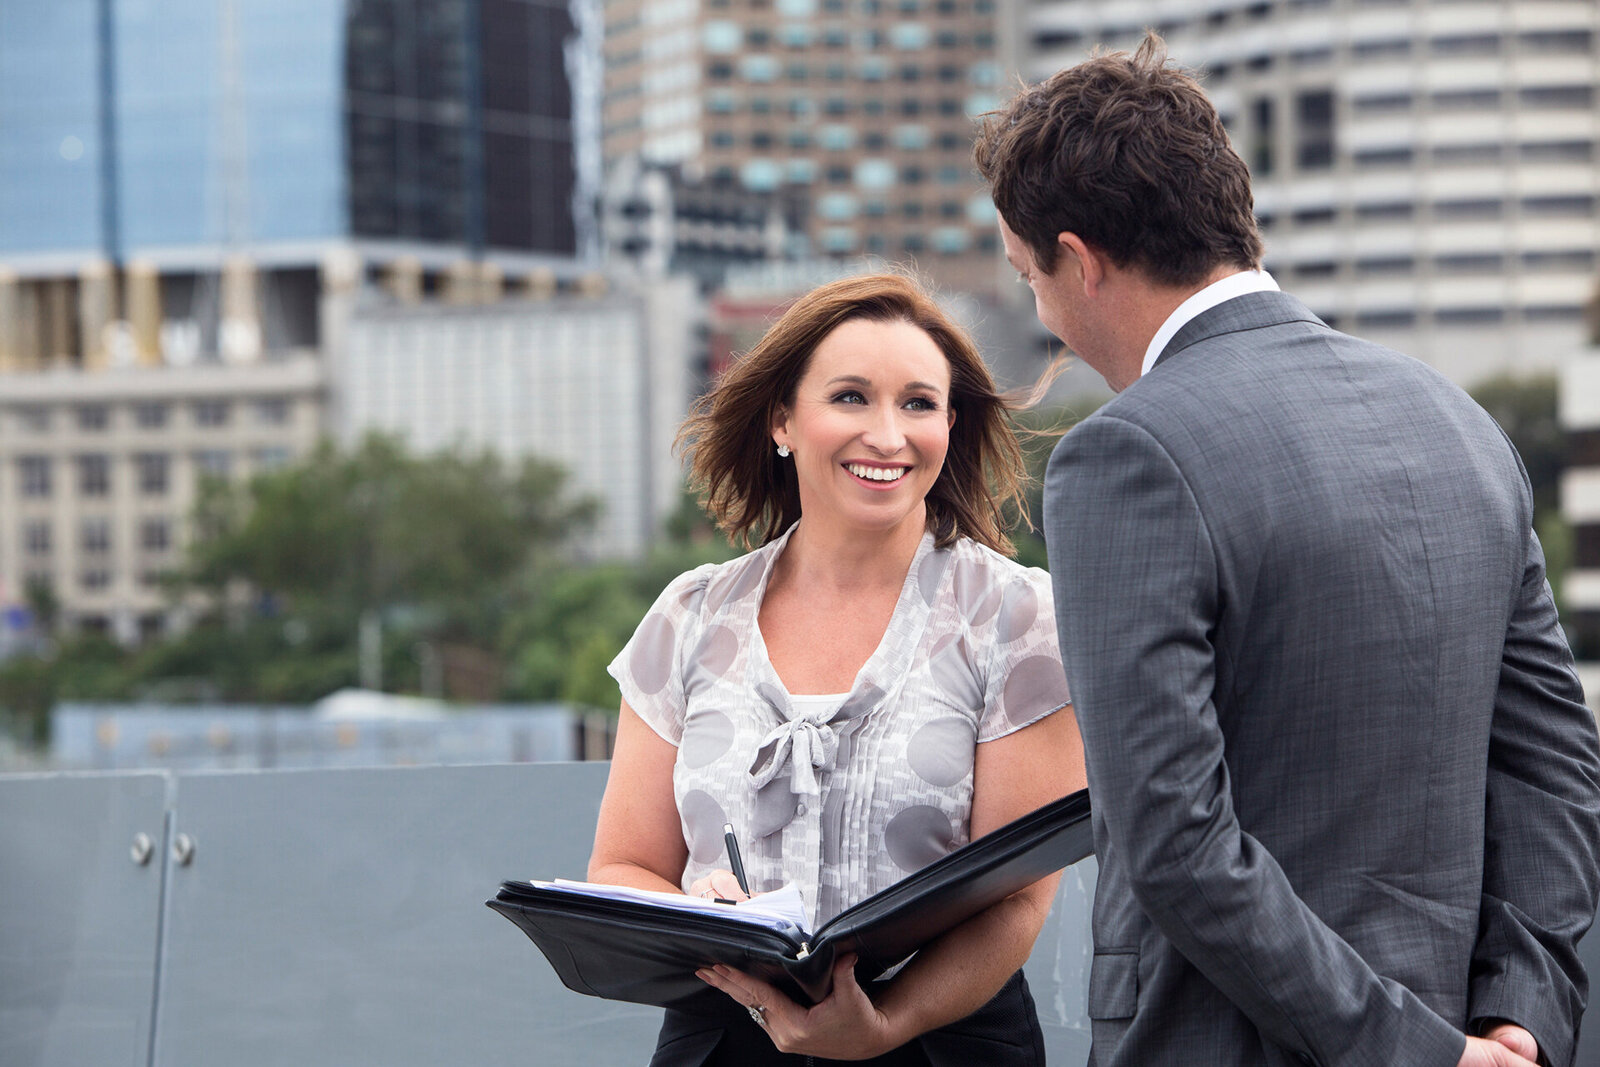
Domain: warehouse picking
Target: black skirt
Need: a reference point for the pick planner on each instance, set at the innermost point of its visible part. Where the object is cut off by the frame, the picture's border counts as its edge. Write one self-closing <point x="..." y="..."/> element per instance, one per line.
<point x="1003" y="1033"/>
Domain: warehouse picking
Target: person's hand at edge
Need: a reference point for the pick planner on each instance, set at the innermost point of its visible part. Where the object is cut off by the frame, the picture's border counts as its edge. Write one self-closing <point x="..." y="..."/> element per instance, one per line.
<point x="1512" y="1037"/>
<point x="1484" y="1052"/>
<point x="845" y="1026"/>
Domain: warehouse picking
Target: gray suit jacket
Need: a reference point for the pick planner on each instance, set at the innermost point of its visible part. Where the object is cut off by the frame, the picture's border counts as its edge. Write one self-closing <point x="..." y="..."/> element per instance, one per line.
<point x="1347" y="794"/>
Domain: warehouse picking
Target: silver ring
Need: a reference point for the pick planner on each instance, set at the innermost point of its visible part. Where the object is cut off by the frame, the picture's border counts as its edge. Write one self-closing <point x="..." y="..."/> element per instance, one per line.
<point x="758" y="1014"/>
<point x="706" y="893"/>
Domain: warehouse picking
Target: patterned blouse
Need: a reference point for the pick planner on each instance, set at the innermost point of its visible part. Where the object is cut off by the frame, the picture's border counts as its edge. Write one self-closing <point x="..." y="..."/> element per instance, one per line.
<point x="848" y="795"/>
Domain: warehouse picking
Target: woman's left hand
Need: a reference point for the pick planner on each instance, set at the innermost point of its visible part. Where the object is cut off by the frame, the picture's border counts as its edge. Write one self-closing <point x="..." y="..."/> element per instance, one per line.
<point x="845" y="1026"/>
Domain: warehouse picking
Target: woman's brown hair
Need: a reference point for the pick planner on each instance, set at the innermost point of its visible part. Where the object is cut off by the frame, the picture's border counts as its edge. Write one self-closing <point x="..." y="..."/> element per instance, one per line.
<point x="753" y="494"/>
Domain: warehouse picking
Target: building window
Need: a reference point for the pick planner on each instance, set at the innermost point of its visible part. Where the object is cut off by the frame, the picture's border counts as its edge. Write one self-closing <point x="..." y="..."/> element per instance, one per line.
<point x="36" y="537"/>
<point x="93" y="418"/>
<point x="1314" y="130"/>
<point x="1557" y="152"/>
<point x="34" y="474"/>
<point x="1577" y="259"/>
<point x="155" y="535"/>
<point x="1461" y="210"/>
<point x="150" y="416"/>
<point x="1381" y="103"/>
<point x="1576" y="207"/>
<point x="1476" y="44"/>
<point x="151" y="468"/>
<point x="1384" y="157"/>
<point x="33" y="419"/>
<point x="1552" y="97"/>
<point x="1386" y="211"/>
<point x="1465" y="100"/>
<point x="213" y="463"/>
<point x="94" y="475"/>
<point x="1474" y="263"/>
<point x="1393" y="48"/>
<point x="1470" y="316"/>
<point x="95" y="579"/>
<point x="270" y="458"/>
<point x="1385" y="265"/>
<point x="211" y="413"/>
<point x="1468" y="154"/>
<point x="94" y="536"/>
<point x="272" y="411"/>
<point x="1386" y="320"/>
<point x="1566" y="42"/>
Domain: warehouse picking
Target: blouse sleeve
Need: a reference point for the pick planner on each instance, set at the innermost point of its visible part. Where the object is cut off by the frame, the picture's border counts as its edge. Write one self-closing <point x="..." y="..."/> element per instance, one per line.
<point x="1025" y="680"/>
<point x="649" y="669"/>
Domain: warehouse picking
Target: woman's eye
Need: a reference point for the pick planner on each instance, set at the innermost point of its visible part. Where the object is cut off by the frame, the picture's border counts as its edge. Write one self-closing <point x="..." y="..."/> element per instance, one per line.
<point x="922" y="403"/>
<point x="849" y="397"/>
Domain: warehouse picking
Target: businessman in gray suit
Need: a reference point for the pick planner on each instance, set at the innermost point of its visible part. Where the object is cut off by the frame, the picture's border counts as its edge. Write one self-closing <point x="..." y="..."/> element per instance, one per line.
<point x="1347" y="794"/>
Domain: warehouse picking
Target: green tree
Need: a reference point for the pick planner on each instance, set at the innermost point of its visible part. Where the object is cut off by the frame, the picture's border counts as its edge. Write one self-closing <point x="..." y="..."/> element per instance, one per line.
<point x="1526" y="409"/>
<point x="434" y="548"/>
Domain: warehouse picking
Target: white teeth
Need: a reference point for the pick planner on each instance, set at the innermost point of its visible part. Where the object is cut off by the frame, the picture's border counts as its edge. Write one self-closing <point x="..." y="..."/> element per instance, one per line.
<point x="876" y="474"/>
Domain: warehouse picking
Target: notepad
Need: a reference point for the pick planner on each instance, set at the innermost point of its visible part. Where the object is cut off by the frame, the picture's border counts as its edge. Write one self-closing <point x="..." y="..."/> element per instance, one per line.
<point x="645" y="947"/>
<point x="782" y="909"/>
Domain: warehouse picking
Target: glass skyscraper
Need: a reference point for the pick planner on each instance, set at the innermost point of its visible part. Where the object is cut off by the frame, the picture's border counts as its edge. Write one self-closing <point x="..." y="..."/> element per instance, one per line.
<point x="136" y="126"/>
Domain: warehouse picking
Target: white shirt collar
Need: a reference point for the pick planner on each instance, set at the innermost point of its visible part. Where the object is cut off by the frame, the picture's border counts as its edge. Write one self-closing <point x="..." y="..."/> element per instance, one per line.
<point x="1246" y="281"/>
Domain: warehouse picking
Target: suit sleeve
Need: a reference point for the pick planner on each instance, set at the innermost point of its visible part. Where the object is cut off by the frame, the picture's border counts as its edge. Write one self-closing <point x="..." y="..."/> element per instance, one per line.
<point x="1136" y="590"/>
<point x="1542" y="831"/>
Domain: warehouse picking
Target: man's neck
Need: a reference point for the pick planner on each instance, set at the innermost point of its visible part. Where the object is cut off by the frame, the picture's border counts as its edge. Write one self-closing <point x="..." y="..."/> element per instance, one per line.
<point x="1144" y="306"/>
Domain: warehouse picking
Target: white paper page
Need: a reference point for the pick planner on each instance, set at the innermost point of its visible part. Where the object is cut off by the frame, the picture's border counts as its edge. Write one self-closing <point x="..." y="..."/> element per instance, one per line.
<point x="782" y="909"/>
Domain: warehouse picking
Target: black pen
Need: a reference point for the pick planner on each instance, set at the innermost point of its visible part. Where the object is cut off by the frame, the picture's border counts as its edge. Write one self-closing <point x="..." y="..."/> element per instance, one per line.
<point x="733" y="856"/>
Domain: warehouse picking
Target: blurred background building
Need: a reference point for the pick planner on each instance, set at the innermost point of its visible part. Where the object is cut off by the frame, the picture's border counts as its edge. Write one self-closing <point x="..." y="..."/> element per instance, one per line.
<point x="851" y="120"/>
<point x="1580" y="502"/>
<point x="204" y="203"/>
<point x="1425" y="172"/>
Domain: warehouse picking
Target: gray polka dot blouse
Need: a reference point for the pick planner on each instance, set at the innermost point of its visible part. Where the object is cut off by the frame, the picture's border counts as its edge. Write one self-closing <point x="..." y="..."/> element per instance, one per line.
<point x="843" y="797"/>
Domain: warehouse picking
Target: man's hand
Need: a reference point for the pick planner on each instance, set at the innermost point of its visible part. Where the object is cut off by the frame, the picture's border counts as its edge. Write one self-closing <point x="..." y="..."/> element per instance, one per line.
<point x="1503" y="1049"/>
<point x="1514" y="1038"/>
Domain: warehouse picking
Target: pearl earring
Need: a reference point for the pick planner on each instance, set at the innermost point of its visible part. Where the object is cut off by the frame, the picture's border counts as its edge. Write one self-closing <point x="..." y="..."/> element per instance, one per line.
<point x="783" y="450"/>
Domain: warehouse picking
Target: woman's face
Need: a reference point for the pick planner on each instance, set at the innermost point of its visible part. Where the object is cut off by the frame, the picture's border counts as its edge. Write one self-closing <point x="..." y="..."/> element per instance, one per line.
<point x="870" y="425"/>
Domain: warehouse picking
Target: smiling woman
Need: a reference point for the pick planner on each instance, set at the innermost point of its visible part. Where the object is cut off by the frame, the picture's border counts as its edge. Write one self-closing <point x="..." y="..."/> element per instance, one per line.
<point x="869" y="689"/>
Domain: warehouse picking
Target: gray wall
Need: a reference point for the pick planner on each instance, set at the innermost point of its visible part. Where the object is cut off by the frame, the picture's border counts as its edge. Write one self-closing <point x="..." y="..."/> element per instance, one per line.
<point x="328" y="917"/>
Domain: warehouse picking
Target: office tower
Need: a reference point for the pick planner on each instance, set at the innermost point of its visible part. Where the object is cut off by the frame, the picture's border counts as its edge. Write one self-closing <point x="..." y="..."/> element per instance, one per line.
<point x="855" y="117"/>
<point x="197" y="196"/>
<point x="1425" y="170"/>
<point x="1580" y="505"/>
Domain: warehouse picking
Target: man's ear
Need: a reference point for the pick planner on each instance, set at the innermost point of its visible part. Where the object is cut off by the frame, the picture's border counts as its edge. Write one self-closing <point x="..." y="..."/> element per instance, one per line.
<point x="1091" y="262"/>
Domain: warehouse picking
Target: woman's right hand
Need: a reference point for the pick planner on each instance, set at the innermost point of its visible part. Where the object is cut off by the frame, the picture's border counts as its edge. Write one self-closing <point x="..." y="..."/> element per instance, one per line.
<point x="718" y="883"/>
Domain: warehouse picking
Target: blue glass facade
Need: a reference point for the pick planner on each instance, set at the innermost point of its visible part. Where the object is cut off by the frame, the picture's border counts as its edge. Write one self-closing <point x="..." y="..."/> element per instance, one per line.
<point x="49" y="126"/>
<point x="266" y="121"/>
<point x="186" y="128"/>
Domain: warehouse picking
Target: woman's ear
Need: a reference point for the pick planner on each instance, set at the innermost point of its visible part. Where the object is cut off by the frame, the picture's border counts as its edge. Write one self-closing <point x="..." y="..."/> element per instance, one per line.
<point x="780" y="427"/>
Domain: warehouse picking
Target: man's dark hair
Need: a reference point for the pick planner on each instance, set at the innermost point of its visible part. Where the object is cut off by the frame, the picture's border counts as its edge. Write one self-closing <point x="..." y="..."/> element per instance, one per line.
<point x="1126" y="152"/>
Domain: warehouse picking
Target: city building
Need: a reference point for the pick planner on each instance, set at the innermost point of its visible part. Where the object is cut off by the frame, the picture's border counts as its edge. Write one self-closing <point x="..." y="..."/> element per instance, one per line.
<point x="196" y="196"/>
<point x="1425" y="170"/>
<point x="856" y="116"/>
<point x="99" y="472"/>
<point x="1580" y="505"/>
<point x="598" y="379"/>
<point x="656" y="221"/>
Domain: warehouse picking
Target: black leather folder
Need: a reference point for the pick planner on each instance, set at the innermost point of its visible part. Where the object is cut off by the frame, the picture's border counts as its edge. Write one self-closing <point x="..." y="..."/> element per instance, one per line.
<point x="647" y="954"/>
